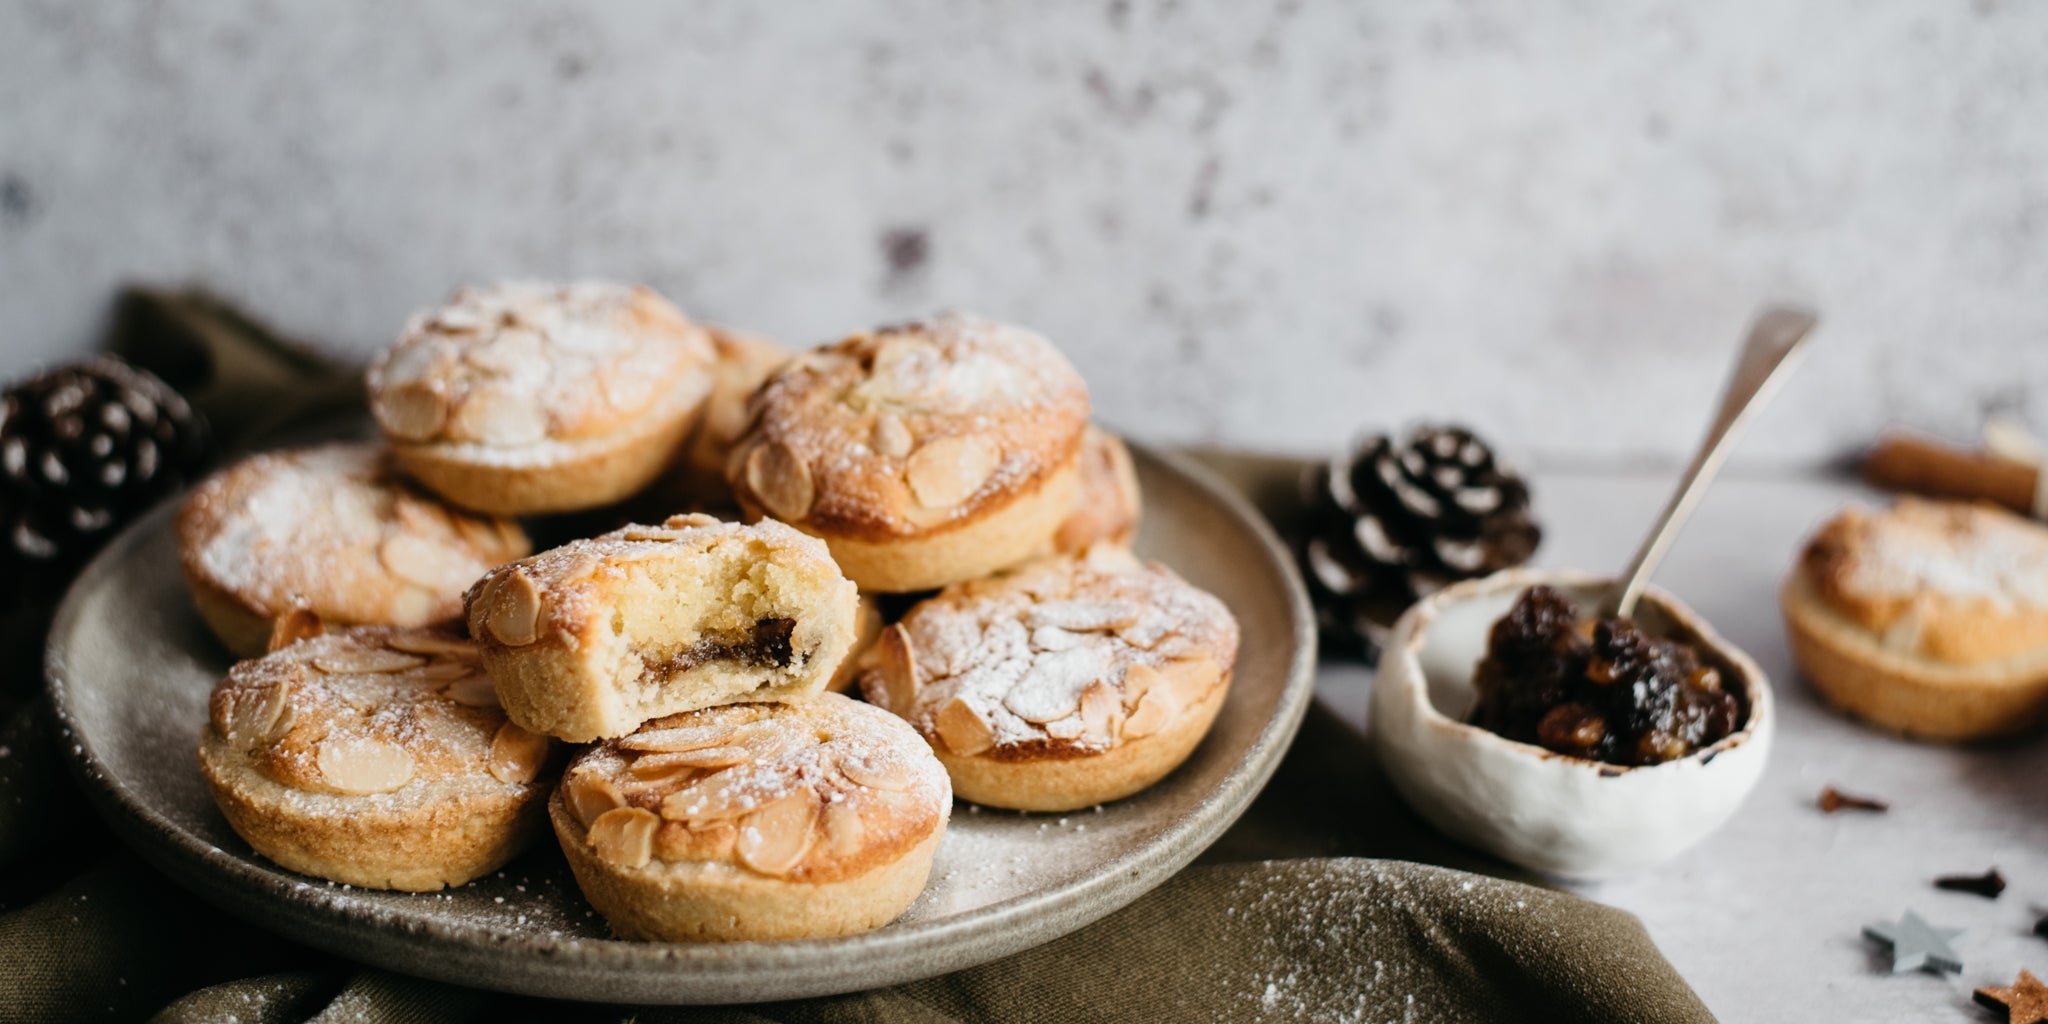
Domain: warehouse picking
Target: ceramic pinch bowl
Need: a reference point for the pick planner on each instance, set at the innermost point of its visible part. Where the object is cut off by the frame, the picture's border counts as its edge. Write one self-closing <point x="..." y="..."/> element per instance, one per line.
<point x="1551" y="812"/>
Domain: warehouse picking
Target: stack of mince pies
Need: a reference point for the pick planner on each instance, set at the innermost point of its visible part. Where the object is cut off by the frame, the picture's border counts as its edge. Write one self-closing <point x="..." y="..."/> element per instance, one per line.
<point x="728" y="737"/>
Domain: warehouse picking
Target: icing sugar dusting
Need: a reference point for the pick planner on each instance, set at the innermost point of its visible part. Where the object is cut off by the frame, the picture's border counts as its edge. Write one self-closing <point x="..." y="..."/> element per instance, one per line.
<point x="1959" y="551"/>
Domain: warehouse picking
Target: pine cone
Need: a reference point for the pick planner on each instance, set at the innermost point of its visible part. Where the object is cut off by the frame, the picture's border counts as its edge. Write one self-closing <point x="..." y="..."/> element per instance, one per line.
<point x="1387" y="525"/>
<point x="84" y="449"/>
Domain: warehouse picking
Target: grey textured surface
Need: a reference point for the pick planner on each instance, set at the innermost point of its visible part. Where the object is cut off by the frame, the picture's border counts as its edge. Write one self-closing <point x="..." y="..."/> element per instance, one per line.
<point x="131" y="664"/>
<point x="1268" y="224"/>
<point x="1765" y="917"/>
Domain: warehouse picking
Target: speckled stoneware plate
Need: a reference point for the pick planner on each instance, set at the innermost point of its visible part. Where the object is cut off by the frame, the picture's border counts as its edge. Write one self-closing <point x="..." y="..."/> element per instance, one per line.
<point x="131" y="665"/>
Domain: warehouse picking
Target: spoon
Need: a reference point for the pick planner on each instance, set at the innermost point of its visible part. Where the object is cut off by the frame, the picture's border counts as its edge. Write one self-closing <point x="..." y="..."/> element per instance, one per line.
<point x="1765" y="361"/>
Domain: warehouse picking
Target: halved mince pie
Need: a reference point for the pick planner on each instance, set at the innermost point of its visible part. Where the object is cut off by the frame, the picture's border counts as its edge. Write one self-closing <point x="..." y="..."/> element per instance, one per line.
<point x="591" y="639"/>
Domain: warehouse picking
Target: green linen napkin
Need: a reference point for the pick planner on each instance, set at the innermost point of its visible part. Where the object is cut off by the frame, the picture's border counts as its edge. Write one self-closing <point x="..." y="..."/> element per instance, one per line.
<point x="1350" y="929"/>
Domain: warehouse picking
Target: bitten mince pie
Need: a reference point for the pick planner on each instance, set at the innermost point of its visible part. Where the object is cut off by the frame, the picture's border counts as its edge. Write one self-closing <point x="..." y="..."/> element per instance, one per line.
<point x="591" y="639"/>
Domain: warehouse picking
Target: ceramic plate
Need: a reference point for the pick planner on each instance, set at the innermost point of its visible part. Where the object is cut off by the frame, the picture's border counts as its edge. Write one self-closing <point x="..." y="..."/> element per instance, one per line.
<point x="131" y="666"/>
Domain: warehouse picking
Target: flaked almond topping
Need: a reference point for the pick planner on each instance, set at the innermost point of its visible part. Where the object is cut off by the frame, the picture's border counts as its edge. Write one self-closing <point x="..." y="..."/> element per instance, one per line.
<point x="357" y="661"/>
<point x="1190" y="678"/>
<point x="589" y="794"/>
<point x="664" y="767"/>
<point x="624" y="836"/>
<point x="886" y="775"/>
<point x="300" y="623"/>
<point x="627" y="391"/>
<point x="474" y="690"/>
<point x="648" y="533"/>
<point x="947" y="471"/>
<point x="517" y="755"/>
<point x="432" y="565"/>
<point x="1101" y="712"/>
<point x="776" y="836"/>
<point x="896" y="664"/>
<point x="504" y="354"/>
<point x="1083" y="616"/>
<point x="414" y="411"/>
<point x="679" y="739"/>
<point x="1068" y="728"/>
<point x="702" y="757"/>
<point x="844" y="831"/>
<point x="499" y="418"/>
<point x="514" y="611"/>
<point x="363" y="765"/>
<point x="690" y="521"/>
<point x="966" y="733"/>
<point x="1155" y="709"/>
<point x="254" y="716"/>
<point x="892" y="438"/>
<point x="724" y="795"/>
<point x="1051" y="688"/>
<point x="1053" y="638"/>
<point x="446" y="670"/>
<point x="432" y="644"/>
<point x="781" y="481"/>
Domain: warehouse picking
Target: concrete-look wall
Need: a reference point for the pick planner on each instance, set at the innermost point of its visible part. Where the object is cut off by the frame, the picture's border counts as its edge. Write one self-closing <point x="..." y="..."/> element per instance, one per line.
<point x="1271" y="224"/>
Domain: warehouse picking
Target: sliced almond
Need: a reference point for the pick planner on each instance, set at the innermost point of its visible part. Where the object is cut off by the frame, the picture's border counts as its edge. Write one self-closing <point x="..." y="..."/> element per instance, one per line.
<point x="844" y="831"/>
<point x="624" y="836"/>
<point x="517" y="755"/>
<point x="437" y="645"/>
<point x="300" y="623"/>
<point x="514" y="611"/>
<point x="690" y="521"/>
<point x="1083" y="616"/>
<point x="781" y="480"/>
<point x="648" y="533"/>
<point x="1190" y="678"/>
<point x="891" y="776"/>
<point x="664" y="766"/>
<point x="499" y="418"/>
<point x="434" y="565"/>
<point x="1068" y="728"/>
<point x="703" y="757"/>
<point x="1138" y="680"/>
<point x="966" y="733"/>
<point x="895" y="662"/>
<point x="892" y="438"/>
<point x="1155" y="710"/>
<point x="475" y="690"/>
<point x="446" y="670"/>
<point x="1102" y="711"/>
<point x="363" y="765"/>
<point x="677" y="740"/>
<point x="351" y="661"/>
<point x="627" y="390"/>
<point x="413" y="411"/>
<point x="506" y="353"/>
<point x="724" y="795"/>
<point x="776" y="836"/>
<point x="947" y="471"/>
<point x="589" y="794"/>
<point x="254" y="716"/>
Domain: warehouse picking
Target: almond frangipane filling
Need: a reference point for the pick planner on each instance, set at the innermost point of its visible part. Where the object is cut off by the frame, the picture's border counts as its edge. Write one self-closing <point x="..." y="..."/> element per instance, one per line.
<point x="910" y="426"/>
<point x="1061" y="657"/>
<point x="813" y="792"/>
<point x="370" y="710"/>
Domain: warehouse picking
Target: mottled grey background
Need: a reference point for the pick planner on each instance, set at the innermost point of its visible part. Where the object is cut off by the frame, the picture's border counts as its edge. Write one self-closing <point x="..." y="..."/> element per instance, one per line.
<point x="1271" y="224"/>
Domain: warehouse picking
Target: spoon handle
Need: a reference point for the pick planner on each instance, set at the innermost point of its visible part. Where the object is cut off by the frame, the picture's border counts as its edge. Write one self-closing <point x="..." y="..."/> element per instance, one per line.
<point x="1775" y="337"/>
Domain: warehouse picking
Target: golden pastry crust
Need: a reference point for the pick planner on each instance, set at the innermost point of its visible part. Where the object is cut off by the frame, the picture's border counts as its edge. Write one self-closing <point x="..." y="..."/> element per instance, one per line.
<point x="595" y="637"/>
<point x="526" y="398"/>
<point x="332" y="529"/>
<point x="754" y="821"/>
<point x="374" y="756"/>
<point x="888" y="442"/>
<point x="1062" y="683"/>
<point x="1109" y="504"/>
<point x="1930" y="618"/>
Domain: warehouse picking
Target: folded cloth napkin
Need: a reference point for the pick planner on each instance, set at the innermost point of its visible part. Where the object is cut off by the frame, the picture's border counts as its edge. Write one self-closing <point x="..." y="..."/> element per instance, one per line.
<point x="1350" y="929"/>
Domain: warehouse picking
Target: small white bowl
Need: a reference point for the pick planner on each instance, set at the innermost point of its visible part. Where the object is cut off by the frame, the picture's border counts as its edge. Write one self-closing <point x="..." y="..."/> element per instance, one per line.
<point x="1551" y="812"/>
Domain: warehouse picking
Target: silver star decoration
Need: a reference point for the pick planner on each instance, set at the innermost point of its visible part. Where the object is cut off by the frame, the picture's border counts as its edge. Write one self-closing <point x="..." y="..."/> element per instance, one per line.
<point x="1917" y="945"/>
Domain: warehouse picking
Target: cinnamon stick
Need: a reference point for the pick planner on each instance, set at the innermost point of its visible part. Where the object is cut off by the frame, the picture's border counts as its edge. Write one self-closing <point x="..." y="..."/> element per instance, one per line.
<point x="1922" y="465"/>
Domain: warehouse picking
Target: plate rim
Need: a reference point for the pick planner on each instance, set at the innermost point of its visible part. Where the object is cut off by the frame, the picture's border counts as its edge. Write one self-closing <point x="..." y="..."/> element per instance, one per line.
<point x="327" y="916"/>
